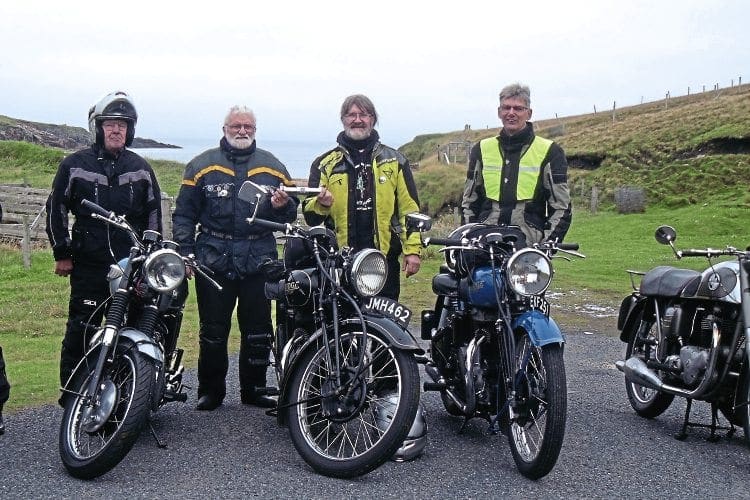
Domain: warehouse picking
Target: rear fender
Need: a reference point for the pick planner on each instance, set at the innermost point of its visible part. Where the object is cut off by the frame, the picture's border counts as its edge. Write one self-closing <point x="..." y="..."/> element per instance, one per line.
<point x="630" y="312"/>
<point x="542" y="329"/>
<point x="394" y="336"/>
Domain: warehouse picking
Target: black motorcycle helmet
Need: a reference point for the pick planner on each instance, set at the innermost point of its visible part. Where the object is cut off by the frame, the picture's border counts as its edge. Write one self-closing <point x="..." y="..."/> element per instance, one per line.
<point x="114" y="106"/>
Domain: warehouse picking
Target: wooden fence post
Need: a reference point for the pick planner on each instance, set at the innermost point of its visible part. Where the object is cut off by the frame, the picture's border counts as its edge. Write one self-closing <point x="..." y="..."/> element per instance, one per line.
<point x="166" y="216"/>
<point x="26" y="243"/>
<point x="594" y="199"/>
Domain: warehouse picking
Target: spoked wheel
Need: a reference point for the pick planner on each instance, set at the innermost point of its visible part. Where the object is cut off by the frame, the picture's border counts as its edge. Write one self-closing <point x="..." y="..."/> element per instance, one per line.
<point x="349" y="421"/>
<point x="743" y="401"/>
<point x="97" y="432"/>
<point x="647" y="403"/>
<point x="538" y="412"/>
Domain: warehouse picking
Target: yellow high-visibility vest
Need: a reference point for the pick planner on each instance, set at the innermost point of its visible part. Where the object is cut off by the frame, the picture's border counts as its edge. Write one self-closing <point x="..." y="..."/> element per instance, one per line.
<point x="529" y="168"/>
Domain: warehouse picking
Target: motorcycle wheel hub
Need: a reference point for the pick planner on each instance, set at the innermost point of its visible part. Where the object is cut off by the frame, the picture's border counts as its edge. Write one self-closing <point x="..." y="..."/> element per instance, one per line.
<point x="341" y="408"/>
<point x="96" y="415"/>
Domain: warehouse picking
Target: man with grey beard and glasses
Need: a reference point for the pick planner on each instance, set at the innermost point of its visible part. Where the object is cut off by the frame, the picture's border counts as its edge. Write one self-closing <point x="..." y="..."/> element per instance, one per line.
<point x="368" y="190"/>
<point x="209" y="222"/>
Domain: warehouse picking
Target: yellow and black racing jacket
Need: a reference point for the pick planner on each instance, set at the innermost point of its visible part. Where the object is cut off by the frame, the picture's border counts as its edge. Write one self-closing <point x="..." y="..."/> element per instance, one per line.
<point x="395" y="195"/>
<point x="207" y="204"/>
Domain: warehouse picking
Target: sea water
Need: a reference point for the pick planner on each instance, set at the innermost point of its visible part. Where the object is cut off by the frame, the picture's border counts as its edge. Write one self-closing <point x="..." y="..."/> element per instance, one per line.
<point x="297" y="156"/>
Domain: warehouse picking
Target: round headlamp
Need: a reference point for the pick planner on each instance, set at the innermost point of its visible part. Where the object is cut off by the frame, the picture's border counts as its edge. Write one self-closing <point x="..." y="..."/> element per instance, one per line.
<point x="529" y="272"/>
<point x="164" y="270"/>
<point x="368" y="272"/>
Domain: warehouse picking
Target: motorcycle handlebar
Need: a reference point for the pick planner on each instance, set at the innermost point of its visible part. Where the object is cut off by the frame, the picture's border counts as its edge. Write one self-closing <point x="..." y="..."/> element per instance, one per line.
<point x="446" y="242"/>
<point x="273" y="226"/>
<point x="96" y="209"/>
<point x="568" y="246"/>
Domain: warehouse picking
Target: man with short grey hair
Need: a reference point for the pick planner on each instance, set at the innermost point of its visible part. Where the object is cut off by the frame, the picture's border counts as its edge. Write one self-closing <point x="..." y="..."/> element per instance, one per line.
<point x="518" y="178"/>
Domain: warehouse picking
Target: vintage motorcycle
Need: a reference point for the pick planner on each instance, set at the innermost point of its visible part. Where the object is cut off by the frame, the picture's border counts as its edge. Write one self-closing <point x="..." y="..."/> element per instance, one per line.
<point x="495" y="352"/>
<point x="686" y="334"/>
<point x="343" y="357"/>
<point x="132" y="365"/>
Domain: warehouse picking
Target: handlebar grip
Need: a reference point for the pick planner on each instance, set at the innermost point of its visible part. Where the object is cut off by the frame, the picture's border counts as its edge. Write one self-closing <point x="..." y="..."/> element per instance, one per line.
<point x="446" y="242"/>
<point x="568" y="246"/>
<point x="273" y="226"/>
<point x="694" y="253"/>
<point x="96" y="209"/>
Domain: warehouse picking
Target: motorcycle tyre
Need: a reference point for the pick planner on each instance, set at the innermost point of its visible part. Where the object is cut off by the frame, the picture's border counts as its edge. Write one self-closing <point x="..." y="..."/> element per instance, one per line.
<point x="743" y="406"/>
<point x="657" y="402"/>
<point x="556" y="413"/>
<point x="385" y="448"/>
<point x="135" y="417"/>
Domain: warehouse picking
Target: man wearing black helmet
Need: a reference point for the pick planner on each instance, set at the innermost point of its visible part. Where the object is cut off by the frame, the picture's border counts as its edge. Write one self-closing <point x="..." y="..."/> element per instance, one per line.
<point x="116" y="179"/>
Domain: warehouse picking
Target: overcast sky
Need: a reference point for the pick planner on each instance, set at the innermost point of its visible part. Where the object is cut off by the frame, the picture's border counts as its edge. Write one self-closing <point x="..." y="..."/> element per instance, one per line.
<point x="428" y="66"/>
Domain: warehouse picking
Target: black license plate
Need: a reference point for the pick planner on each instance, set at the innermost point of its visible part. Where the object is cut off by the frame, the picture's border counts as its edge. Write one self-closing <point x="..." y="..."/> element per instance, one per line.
<point x="390" y="309"/>
<point x="540" y="303"/>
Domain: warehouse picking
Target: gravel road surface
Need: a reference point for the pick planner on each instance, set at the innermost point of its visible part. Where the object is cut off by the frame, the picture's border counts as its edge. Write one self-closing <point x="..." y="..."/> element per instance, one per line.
<point x="238" y="451"/>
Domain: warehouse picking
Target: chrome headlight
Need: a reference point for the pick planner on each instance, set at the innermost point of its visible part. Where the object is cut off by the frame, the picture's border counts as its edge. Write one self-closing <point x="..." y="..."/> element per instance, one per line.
<point x="164" y="270"/>
<point x="369" y="272"/>
<point x="529" y="272"/>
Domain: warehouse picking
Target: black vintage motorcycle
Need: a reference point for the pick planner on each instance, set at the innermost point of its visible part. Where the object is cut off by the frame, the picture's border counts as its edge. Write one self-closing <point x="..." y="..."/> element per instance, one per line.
<point x="686" y="334"/>
<point x="495" y="352"/>
<point x="344" y="359"/>
<point x="132" y="366"/>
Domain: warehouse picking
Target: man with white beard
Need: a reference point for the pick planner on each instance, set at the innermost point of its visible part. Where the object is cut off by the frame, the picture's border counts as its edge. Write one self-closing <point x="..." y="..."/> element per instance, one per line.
<point x="226" y="244"/>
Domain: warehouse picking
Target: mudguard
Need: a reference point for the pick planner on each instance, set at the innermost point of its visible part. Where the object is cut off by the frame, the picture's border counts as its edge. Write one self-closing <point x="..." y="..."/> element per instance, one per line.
<point x="542" y="329"/>
<point x="394" y="335"/>
<point x="630" y="313"/>
<point x="142" y="342"/>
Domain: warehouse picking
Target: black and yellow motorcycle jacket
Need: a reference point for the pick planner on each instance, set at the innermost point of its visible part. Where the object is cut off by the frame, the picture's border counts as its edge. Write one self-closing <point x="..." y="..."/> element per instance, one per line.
<point x="207" y="204"/>
<point x="394" y="192"/>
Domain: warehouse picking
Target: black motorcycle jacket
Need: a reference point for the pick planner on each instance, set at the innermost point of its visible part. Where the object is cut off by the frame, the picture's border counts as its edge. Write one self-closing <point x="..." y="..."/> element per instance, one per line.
<point x="210" y="220"/>
<point x="124" y="184"/>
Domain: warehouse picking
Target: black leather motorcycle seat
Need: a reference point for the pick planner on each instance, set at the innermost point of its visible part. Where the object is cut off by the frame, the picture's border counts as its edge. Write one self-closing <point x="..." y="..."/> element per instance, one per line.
<point x="445" y="284"/>
<point x="667" y="281"/>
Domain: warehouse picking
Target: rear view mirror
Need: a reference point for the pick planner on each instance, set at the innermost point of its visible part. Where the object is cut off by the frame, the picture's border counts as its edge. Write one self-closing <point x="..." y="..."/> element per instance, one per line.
<point x="666" y="235"/>
<point x="252" y="192"/>
<point x="418" y="222"/>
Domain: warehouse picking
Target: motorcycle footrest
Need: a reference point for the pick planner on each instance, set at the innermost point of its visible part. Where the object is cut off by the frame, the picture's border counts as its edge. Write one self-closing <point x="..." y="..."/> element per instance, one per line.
<point x="433" y="386"/>
<point x="267" y="391"/>
<point x="175" y="396"/>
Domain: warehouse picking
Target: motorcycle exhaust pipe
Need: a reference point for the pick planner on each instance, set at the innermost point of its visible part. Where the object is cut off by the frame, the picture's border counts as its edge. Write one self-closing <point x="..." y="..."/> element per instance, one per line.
<point x="636" y="371"/>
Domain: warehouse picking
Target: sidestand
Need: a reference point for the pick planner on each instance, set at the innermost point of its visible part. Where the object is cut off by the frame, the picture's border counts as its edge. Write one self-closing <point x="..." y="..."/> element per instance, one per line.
<point x="682" y="435"/>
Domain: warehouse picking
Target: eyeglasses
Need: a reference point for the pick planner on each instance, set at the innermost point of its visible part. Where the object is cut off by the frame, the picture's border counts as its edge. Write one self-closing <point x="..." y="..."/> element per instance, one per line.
<point x="240" y="126"/>
<point x="505" y="108"/>
<point x="115" y="125"/>
<point x="357" y="116"/>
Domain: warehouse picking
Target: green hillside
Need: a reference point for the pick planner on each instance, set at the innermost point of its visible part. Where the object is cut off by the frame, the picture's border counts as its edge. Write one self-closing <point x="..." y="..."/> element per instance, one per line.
<point x="685" y="151"/>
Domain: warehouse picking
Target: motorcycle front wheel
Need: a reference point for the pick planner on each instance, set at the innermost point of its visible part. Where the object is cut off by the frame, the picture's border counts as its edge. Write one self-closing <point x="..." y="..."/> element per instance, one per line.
<point x="345" y="423"/>
<point x="98" y="431"/>
<point x="539" y="409"/>
<point x="648" y="403"/>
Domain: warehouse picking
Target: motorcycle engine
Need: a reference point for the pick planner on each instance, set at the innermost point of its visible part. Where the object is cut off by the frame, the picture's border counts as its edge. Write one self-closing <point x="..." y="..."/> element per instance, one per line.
<point x="694" y="360"/>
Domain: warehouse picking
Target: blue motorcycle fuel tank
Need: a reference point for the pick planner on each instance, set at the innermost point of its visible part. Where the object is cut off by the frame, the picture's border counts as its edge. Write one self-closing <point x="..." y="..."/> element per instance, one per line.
<point x="481" y="286"/>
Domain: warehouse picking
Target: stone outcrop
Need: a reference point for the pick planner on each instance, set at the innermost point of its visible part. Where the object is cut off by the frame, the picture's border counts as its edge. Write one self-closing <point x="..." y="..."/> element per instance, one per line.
<point x="58" y="136"/>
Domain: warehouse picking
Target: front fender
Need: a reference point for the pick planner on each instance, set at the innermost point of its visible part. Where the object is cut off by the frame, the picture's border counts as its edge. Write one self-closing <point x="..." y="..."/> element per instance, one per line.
<point x="394" y="335"/>
<point x="542" y="329"/>
<point x="144" y="344"/>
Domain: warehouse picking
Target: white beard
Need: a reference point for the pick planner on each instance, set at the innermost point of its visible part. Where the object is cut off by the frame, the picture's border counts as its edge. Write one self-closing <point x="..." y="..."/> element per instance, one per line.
<point x="240" y="142"/>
